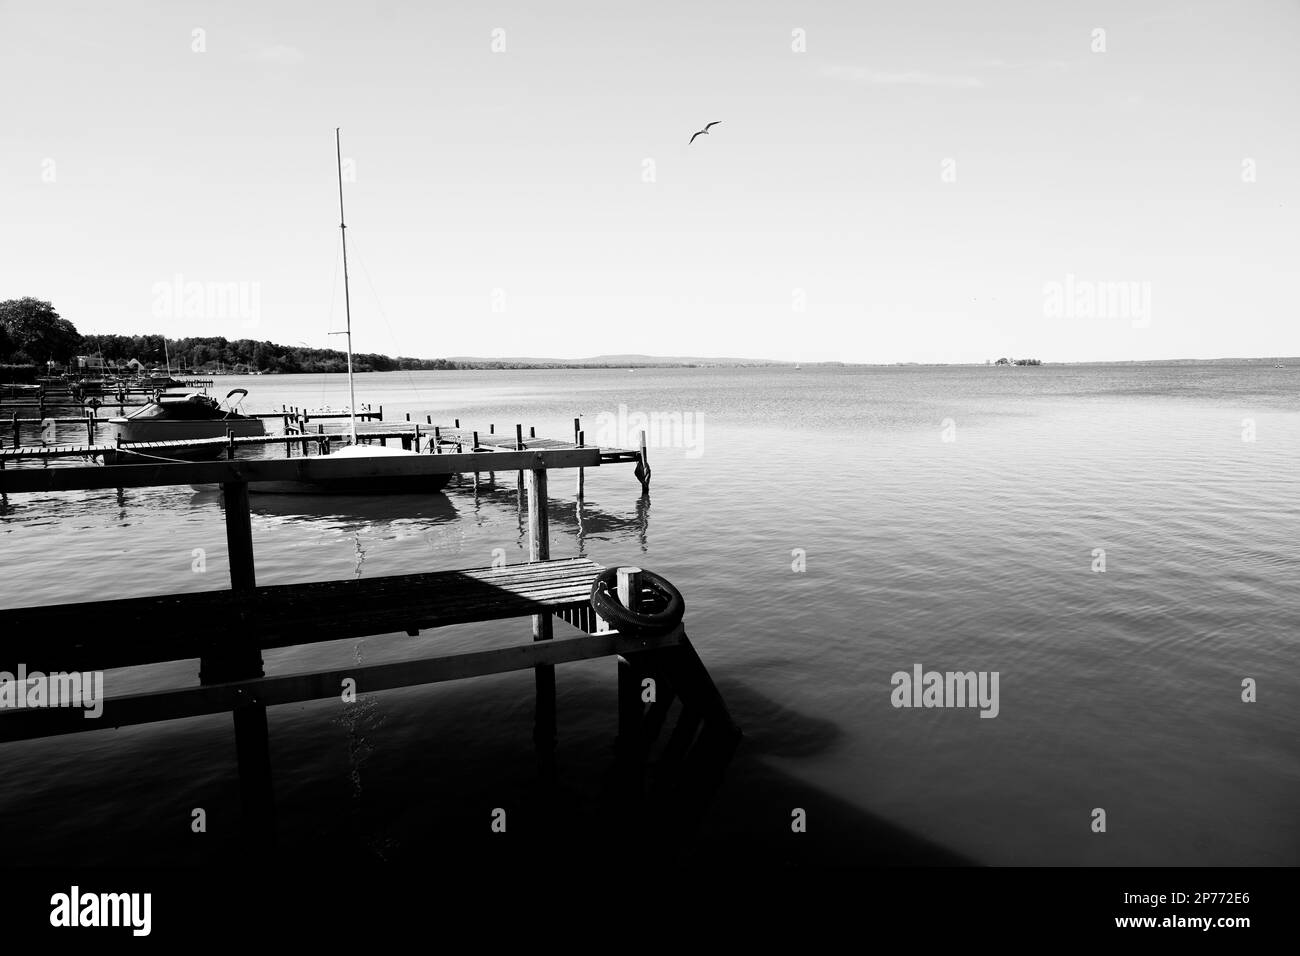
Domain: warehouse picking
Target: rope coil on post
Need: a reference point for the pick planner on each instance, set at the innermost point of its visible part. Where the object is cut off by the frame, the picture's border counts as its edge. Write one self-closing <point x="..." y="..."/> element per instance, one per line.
<point x="656" y="592"/>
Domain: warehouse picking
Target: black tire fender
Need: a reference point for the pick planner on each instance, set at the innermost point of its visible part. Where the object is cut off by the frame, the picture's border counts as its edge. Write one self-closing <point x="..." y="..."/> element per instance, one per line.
<point x="605" y="602"/>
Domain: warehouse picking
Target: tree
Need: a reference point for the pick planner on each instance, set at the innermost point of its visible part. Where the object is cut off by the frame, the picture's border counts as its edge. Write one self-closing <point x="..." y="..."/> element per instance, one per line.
<point x="37" y="331"/>
<point x="6" y="343"/>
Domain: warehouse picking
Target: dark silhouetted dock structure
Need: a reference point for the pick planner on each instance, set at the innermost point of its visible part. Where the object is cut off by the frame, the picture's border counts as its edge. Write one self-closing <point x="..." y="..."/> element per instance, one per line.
<point x="229" y="630"/>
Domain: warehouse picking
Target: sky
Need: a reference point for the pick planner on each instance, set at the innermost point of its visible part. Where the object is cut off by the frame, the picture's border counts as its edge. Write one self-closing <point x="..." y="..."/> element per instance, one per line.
<point x="922" y="182"/>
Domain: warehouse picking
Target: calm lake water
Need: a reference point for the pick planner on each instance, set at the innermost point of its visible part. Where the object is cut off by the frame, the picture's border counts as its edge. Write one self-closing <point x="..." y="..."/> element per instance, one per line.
<point x="948" y="517"/>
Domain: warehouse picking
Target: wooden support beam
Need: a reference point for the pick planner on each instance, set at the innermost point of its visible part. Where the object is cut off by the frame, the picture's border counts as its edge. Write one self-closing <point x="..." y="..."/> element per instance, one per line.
<point x="630" y="707"/>
<point x="156" y="706"/>
<point x="539" y="549"/>
<point x="243" y="661"/>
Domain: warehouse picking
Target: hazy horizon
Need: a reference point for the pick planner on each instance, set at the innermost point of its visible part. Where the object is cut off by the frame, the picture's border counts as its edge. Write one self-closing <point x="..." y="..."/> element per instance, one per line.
<point x="934" y="183"/>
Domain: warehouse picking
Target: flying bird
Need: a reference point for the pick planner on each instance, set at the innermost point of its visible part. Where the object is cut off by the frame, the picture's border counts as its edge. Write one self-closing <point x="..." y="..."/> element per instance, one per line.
<point x="705" y="131"/>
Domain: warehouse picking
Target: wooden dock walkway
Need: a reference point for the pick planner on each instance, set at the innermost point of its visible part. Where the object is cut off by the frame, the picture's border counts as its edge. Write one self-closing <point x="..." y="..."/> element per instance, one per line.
<point x="434" y="439"/>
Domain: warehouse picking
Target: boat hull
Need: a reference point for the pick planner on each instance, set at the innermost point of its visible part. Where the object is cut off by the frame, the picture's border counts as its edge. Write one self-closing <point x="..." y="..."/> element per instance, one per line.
<point x="397" y="485"/>
<point x="138" y="430"/>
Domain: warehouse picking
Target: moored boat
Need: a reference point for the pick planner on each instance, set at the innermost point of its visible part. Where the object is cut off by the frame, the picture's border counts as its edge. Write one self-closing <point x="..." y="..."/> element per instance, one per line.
<point x="184" y="418"/>
<point x="379" y="483"/>
<point x="360" y="485"/>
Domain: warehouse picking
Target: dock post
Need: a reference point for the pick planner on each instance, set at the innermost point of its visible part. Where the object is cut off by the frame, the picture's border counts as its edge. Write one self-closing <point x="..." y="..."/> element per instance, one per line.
<point x="230" y="444"/>
<point x="519" y="446"/>
<point x="642" y="472"/>
<point x="90" y="429"/>
<point x="532" y="431"/>
<point x="437" y="440"/>
<point x="582" y="472"/>
<point x="629" y="693"/>
<point x="576" y="426"/>
<point x="539" y="549"/>
<point x="252" y="743"/>
<point x="18" y="432"/>
<point x="458" y="423"/>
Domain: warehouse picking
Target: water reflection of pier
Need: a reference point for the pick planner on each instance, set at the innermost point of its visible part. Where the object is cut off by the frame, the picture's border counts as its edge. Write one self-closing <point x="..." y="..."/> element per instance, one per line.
<point x="575" y="514"/>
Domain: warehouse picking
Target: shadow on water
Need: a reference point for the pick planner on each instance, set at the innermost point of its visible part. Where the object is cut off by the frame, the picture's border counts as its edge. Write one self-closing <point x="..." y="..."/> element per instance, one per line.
<point x="418" y="776"/>
<point x="474" y="759"/>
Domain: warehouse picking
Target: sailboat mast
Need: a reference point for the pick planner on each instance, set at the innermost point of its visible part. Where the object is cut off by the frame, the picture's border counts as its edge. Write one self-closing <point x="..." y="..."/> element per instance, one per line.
<point x="347" y="303"/>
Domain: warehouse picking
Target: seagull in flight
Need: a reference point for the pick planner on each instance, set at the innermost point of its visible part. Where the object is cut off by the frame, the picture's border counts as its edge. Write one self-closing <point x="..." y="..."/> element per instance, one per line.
<point x="705" y="131"/>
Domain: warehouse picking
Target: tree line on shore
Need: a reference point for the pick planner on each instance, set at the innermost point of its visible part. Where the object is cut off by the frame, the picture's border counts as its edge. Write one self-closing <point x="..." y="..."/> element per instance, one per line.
<point x="32" y="332"/>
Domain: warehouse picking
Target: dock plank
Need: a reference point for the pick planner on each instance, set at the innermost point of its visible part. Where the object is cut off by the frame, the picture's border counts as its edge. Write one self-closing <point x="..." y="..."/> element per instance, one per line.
<point x="100" y="635"/>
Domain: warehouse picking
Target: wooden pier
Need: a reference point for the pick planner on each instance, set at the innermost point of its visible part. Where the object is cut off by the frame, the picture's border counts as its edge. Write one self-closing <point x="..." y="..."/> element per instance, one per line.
<point x="228" y="631"/>
<point x="300" y="435"/>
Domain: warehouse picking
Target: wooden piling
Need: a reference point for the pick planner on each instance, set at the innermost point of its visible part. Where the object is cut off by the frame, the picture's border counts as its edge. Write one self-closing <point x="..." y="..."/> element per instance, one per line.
<point x="630" y="709"/>
<point x="581" y="491"/>
<point x="519" y="446"/>
<point x="642" y="471"/>
<point x="252" y="742"/>
<point x="539" y="549"/>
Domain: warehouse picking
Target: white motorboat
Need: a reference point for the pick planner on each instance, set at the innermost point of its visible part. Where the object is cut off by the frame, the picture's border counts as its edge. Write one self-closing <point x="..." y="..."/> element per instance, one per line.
<point x="184" y="418"/>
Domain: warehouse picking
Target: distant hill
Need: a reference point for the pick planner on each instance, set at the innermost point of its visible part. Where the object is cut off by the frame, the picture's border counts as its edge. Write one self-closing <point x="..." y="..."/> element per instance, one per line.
<point x="611" y="361"/>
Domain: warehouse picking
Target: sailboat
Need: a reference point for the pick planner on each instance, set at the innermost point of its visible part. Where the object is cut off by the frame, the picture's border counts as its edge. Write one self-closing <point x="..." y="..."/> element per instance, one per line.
<point x="376" y="485"/>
